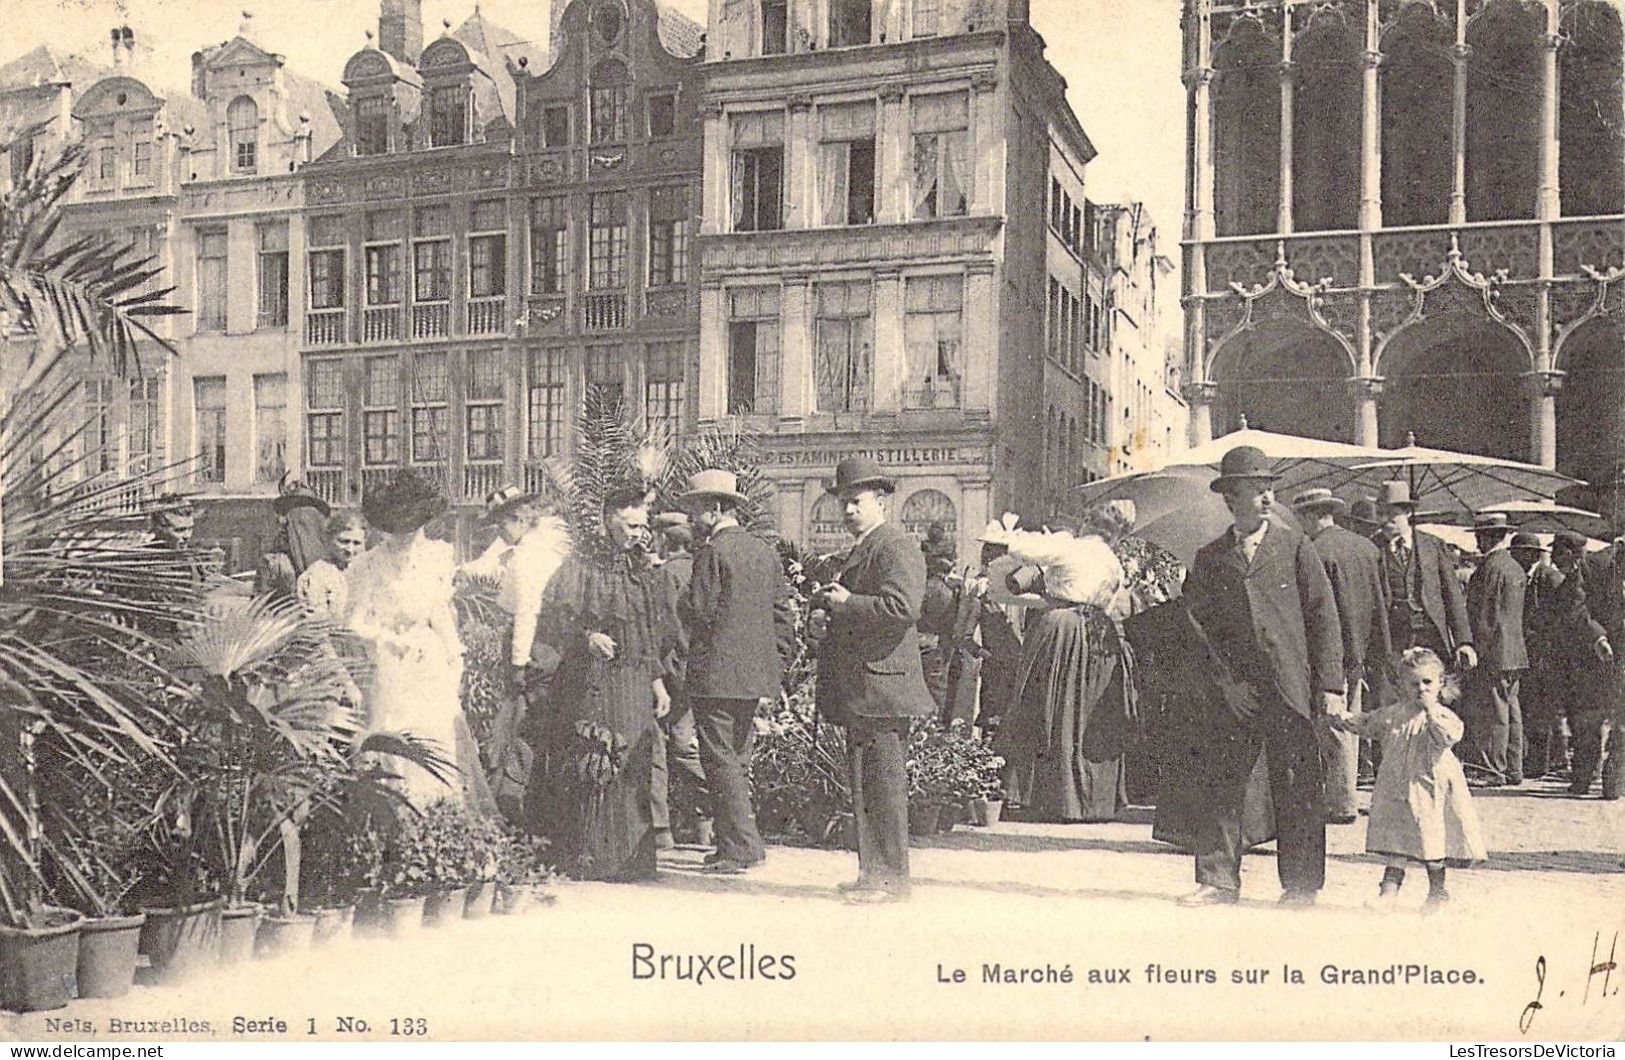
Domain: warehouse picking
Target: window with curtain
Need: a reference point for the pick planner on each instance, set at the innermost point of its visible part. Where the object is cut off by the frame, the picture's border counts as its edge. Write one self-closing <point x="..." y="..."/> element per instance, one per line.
<point x="846" y="164"/>
<point x="243" y="123"/>
<point x="324" y="419"/>
<point x="372" y="125"/>
<point x="211" y="280"/>
<point x="145" y="425"/>
<point x="209" y="423"/>
<point x="757" y="171"/>
<point x="384" y="274"/>
<point x="933" y="327"/>
<point x="842" y="362"/>
<point x="431" y="418"/>
<point x="668" y="236"/>
<point x="431" y="255"/>
<point x="663" y="389"/>
<point x="272" y="274"/>
<point x="270" y="427"/>
<point x="381" y="411"/>
<point x="325" y="260"/>
<point x="753" y="350"/>
<point x="549" y="260"/>
<point x="483" y="437"/>
<point x="545" y="380"/>
<point x="927" y="18"/>
<point x="101" y="431"/>
<point x="606" y="241"/>
<point x="608" y="99"/>
<point x="448" y="116"/>
<point x="941" y="124"/>
<point x="106" y="165"/>
<point x="850" y="23"/>
<point x="487" y="266"/>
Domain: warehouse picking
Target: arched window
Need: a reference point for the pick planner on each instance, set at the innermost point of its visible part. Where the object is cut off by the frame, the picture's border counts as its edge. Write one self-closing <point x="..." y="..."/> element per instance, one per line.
<point x="828" y="530"/>
<point x="243" y="121"/>
<point x="927" y="508"/>
<point x="1247" y="131"/>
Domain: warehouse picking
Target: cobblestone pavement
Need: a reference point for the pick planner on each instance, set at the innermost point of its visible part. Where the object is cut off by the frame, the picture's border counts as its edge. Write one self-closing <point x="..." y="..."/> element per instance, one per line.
<point x="1043" y="898"/>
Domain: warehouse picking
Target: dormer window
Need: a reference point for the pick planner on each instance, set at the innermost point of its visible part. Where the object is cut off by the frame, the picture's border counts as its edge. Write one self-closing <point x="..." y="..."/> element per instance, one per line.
<point x="243" y="121"/>
<point x="448" y="116"/>
<point x="372" y="126"/>
<point x="775" y="27"/>
<point x="609" y="87"/>
<point x="850" y="23"/>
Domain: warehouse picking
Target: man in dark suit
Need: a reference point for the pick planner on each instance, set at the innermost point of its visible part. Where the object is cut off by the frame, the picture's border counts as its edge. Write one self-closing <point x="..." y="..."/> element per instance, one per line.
<point x="1426" y="607"/>
<point x="738" y="628"/>
<point x="1355" y="568"/>
<point x="869" y="675"/>
<point x="676" y="741"/>
<point x="1599" y="739"/>
<point x="1261" y="596"/>
<point x="1538" y="691"/>
<point x="1495" y="609"/>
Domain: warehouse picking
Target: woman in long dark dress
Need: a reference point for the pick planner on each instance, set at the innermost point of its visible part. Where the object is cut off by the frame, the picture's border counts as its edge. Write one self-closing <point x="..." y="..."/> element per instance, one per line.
<point x="1064" y="737"/>
<point x="605" y="615"/>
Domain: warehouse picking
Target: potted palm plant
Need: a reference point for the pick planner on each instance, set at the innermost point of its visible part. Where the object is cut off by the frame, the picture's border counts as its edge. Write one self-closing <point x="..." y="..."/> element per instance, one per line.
<point x="343" y="856"/>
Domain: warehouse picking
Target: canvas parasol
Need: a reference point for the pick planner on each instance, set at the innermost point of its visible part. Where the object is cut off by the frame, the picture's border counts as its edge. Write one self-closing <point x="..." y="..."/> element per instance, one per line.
<point x="1449" y="481"/>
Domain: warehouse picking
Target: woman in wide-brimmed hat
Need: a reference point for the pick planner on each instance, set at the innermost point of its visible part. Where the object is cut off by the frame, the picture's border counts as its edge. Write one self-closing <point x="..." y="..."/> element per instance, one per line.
<point x="401" y="603"/>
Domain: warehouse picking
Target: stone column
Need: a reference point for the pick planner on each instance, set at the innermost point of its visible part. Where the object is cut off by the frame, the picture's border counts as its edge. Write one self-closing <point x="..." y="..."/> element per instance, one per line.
<point x="715" y="206"/>
<point x="1371" y="130"/>
<point x="1458" y="121"/>
<point x="713" y="385"/>
<point x="1283" y="222"/>
<point x="800" y="166"/>
<point x="891" y="150"/>
<point x="1548" y="196"/>
<point x="890" y="360"/>
<point x="1543" y="390"/>
<point x="980" y="366"/>
<point x="1200" y="397"/>
<point x="796" y="392"/>
<point x="987" y="144"/>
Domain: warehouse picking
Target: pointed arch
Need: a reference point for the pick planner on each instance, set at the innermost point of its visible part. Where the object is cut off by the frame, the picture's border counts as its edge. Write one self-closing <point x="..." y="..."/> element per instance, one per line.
<point x="1417" y="87"/>
<point x="1247" y="131"/>
<point x="1326" y="57"/>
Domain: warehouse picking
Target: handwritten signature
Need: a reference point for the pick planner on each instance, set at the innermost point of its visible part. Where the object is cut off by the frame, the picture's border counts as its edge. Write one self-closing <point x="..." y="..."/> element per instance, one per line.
<point x="1605" y="969"/>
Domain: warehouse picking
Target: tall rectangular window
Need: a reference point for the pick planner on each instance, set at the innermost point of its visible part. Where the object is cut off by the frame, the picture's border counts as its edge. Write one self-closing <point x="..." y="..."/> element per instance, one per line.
<point x="381" y="410"/>
<point x="141" y="160"/>
<point x="850" y="23"/>
<point x="664" y="389"/>
<point x="775" y="27"/>
<point x="668" y="236"/>
<point x="106" y="165"/>
<point x="927" y="18"/>
<point x="448" y="116"/>
<point x="483" y="437"/>
<point x="273" y="274"/>
<point x="933" y="327"/>
<point x="372" y="125"/>
<point x="662" y="115"/>
<point x="941" y="124"/>
<point x="549" y="245"/>
<point x="488" y="253"/>
<point x="753" y="350"/>
<point x="602" y="374"/>
<point x="211" y="280"/>
<point x="209" y="405"/>
<point x="270" y="427"/>
<point x="431" y="255"/>
<point x="846" y="164"/>
<point x="324" y="418"/>
<point x="607" y="241"/>
<point x="544" y="404"/>
<point x="431" y="418"/>
<point x="145" y="425"/>
<point x="756" y="172"/>
<point x="326" y="262"/>
<point x="555" y="126"/>
<point x="608" y="114"/>
<point x="842" y="361"/>
<point x="101" y="425"/>
<point x="384" y="274"/>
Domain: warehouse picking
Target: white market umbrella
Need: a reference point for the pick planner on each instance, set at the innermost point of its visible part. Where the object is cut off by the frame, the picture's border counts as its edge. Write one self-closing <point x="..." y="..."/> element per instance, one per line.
<point x="1459" y="482"/>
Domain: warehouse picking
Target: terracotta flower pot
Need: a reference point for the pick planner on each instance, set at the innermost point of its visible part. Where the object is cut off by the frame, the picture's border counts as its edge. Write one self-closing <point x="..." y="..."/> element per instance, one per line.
<point x="951" y="814"/>
<point x="995" y="808"/>
<point x="403" y="916"/>
<point x="332" y="924"/>
<point x="371" y="918"/>
<point x="481" y="897"/>
<point x="38" y="965"/>
<point x="109" y="949"/>
<point x="279" y="935"/>
<point x="183" y="940"/>
<point x="511" y="899"/>
<point x="977" y="809"/>
<point x="443" y="907"/>
<point x="239" y="924"/>
<point x="924" y="819"/>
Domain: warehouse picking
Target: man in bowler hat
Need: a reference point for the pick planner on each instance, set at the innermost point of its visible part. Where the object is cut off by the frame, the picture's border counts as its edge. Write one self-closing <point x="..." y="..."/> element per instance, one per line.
<point x="869" y="675"/>
<point x="738" y="628"/>
<point x="1355" y="568"/>
<point x="1262" y="598"/>
<point x="1495" y="609"/>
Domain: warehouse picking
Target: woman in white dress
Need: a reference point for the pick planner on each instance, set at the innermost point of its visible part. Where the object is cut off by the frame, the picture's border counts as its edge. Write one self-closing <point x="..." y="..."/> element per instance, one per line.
<point x="400" y="597"/>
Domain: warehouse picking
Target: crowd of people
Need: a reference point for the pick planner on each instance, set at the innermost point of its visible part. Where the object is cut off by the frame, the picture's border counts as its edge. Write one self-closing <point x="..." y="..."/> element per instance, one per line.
<point x="1261" y="688"/>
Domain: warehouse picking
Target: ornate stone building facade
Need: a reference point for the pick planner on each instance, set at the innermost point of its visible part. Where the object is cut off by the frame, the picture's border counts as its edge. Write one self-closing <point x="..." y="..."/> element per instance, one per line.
<point x="1408" y="216"/>
<point x="494" y="236"/>
<point x="879" y="263"/>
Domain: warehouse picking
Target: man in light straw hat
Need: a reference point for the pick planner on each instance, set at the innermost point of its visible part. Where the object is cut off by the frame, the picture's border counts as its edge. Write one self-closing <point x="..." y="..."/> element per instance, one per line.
<point x="737" y="624"/>
<point x="1355" y="568"/>
<point x="870" y="679"/>
<point x="1261" y="596"/>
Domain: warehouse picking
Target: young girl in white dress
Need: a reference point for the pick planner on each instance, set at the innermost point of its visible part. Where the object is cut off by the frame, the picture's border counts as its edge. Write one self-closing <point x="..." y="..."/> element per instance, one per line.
<point x="1421" y="808"/>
